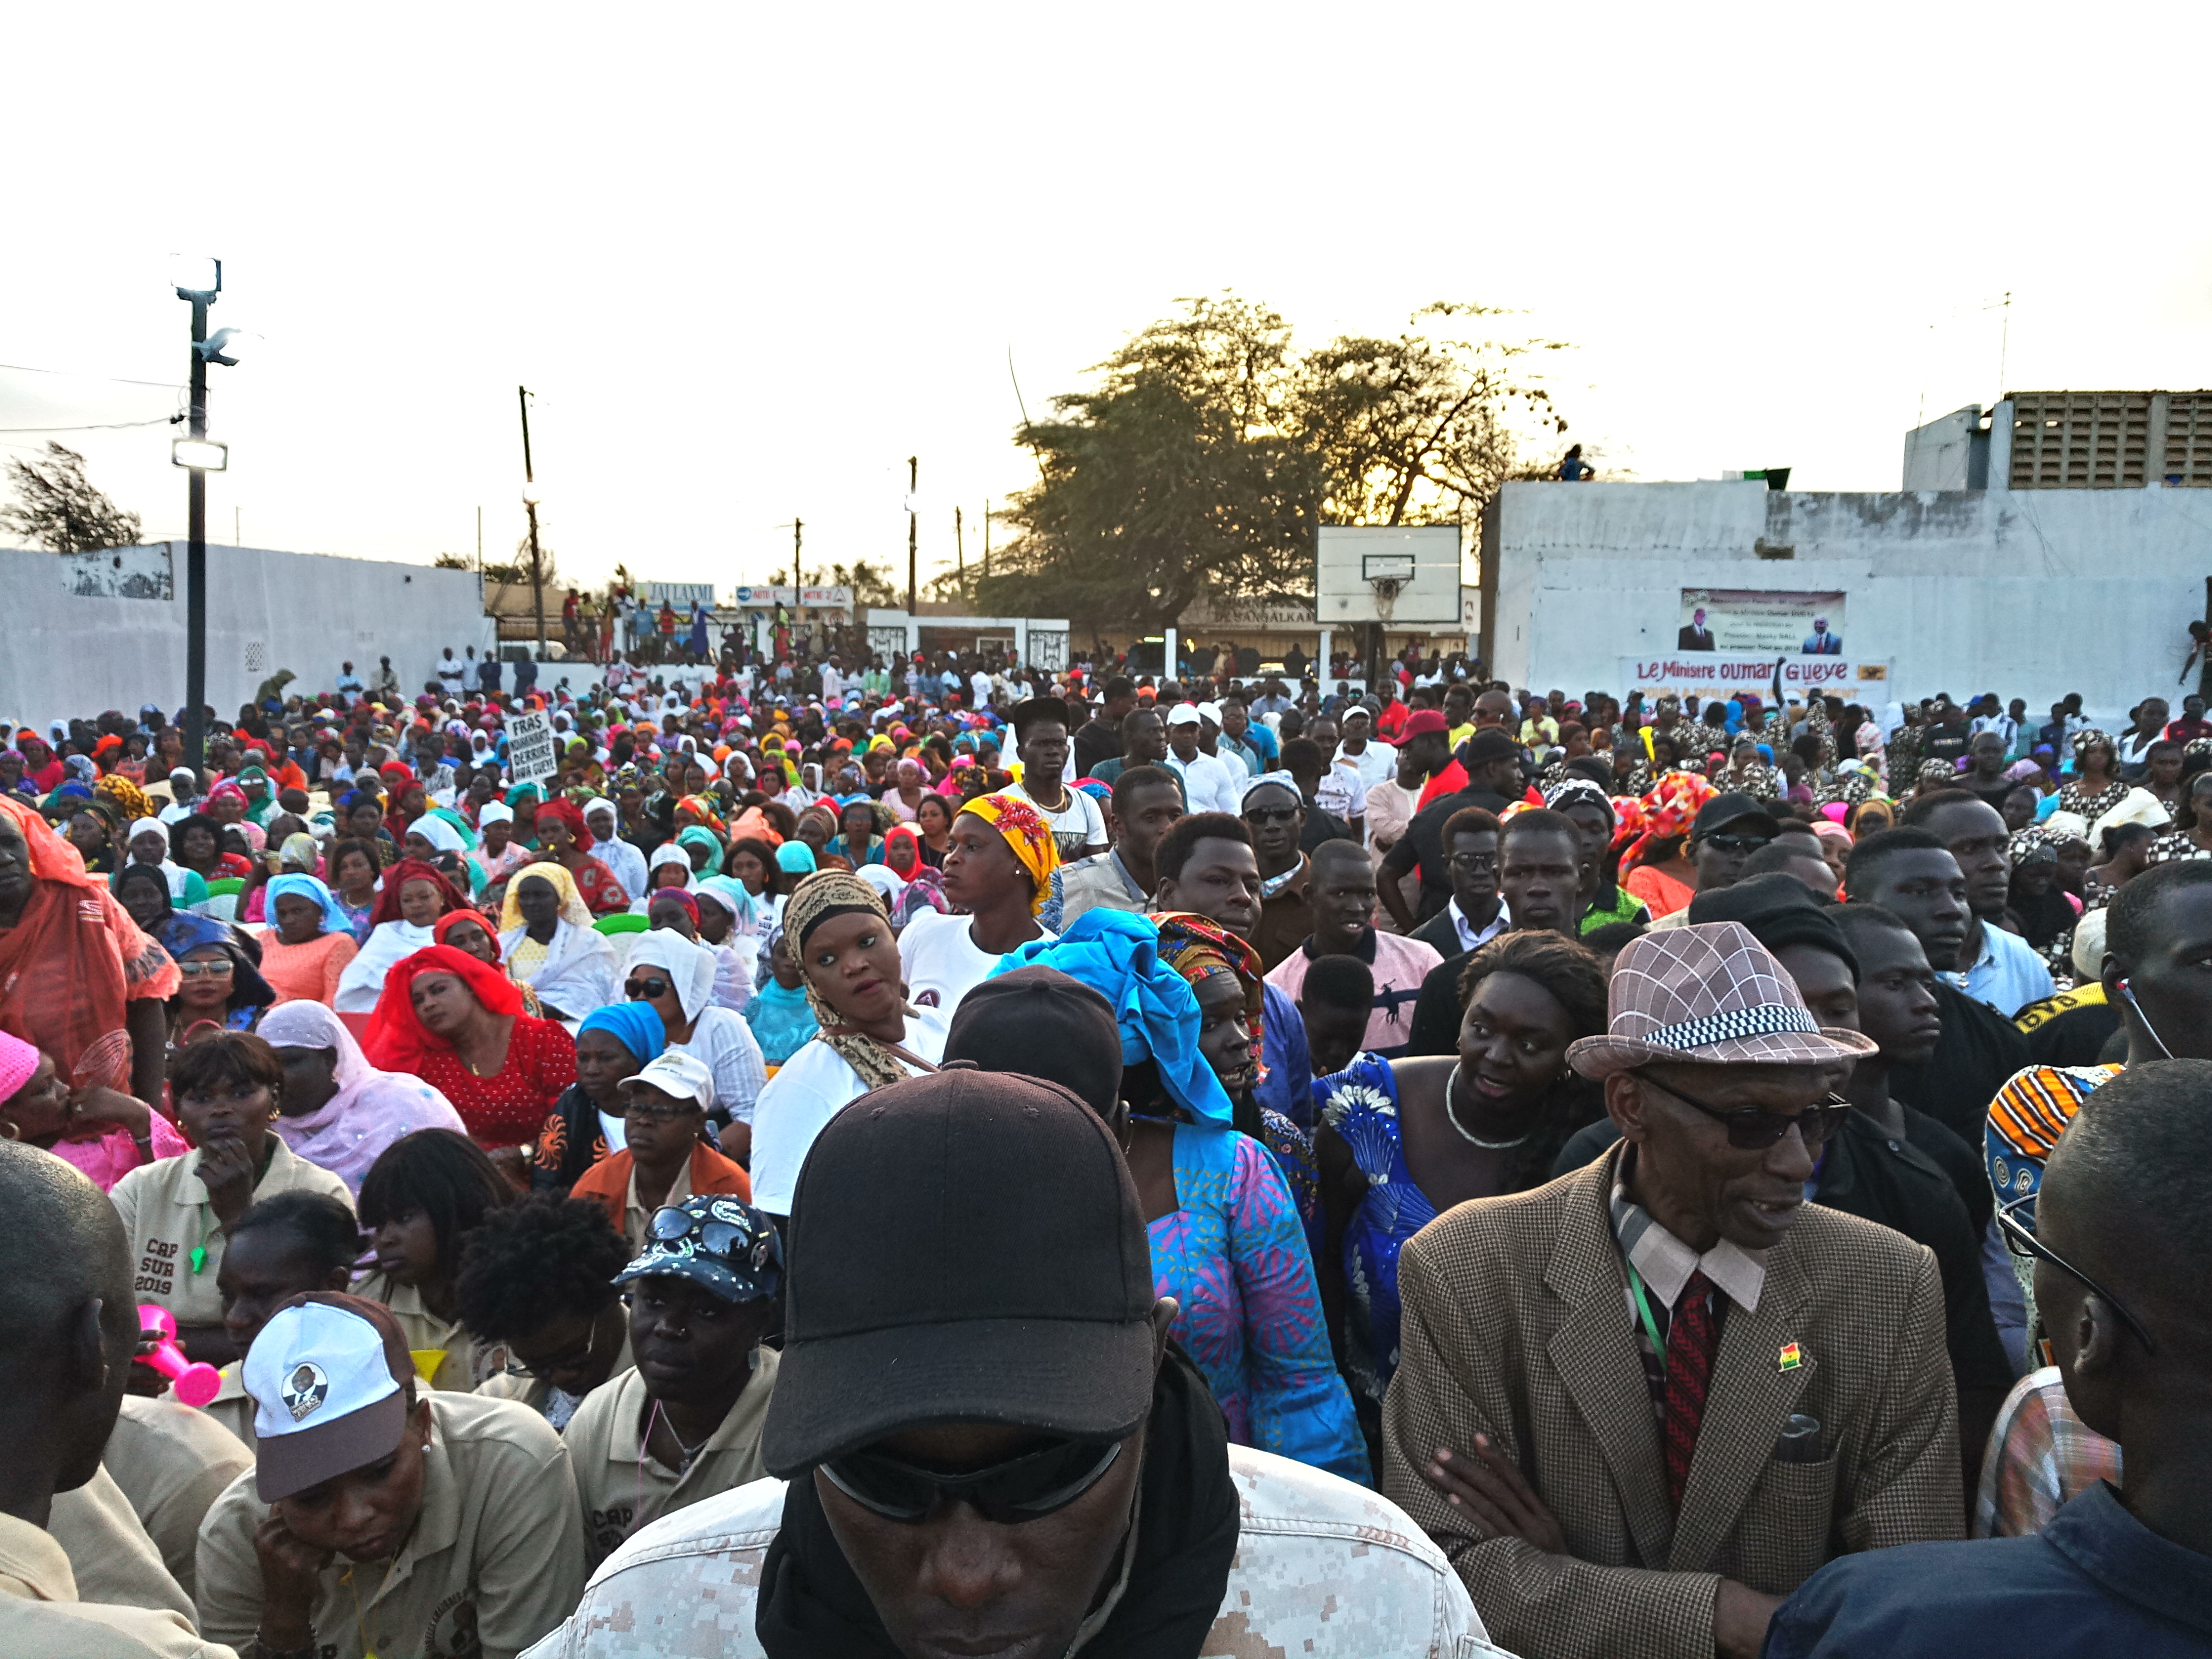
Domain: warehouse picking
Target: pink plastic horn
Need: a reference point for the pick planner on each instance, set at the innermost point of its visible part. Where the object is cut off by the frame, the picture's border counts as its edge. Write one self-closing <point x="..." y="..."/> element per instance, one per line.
<point x="190" y="1383"/>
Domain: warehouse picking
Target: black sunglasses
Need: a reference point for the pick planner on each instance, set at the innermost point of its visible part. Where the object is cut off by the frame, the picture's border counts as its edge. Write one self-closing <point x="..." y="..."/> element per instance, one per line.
<point x="1753" y="1128"/>
<point x="1270" y="814"/>
<point x="2020" y="1239"/>
<point x="644" y="990"/>
<point x="1022" y="1488"/>
<point x="1735" y="843"/>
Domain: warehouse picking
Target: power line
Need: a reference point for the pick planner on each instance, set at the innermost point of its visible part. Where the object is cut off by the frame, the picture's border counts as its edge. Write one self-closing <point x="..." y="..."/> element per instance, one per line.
<point x="80" y="375"/>
<point x="107" y="425"/>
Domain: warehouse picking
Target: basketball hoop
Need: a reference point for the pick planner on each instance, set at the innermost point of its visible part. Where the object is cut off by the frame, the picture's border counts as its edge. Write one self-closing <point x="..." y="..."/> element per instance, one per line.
<point x="1385" y="594"/>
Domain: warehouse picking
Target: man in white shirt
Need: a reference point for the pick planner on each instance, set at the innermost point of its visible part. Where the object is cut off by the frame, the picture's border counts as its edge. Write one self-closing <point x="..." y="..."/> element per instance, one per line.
<point x="1034" y="1387"/>
<point x="1208" y="785"/>
<point x="833" y="682"/>
<point x="979" y="688"/>
<point x="1374" y="761"/>
<point x="452" y="673"/>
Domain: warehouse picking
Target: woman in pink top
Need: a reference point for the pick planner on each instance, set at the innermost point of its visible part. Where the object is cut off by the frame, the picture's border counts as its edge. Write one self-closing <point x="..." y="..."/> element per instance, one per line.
<point x="103" y="1132"/>
<point x="309" y="942"/>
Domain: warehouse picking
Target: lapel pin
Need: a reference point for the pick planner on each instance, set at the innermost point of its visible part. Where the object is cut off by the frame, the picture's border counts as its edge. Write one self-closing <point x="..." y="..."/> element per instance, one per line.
<point x="1790" y="1359"/>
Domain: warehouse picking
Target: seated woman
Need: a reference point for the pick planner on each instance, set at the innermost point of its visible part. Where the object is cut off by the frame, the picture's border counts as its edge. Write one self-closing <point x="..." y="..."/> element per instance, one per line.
<point x="146" y="843"/>
<point x="919" y="887"/>
<point x="305" y="952"/>
<point x="415" y="896"/>
<point x="677" y="978"/>
<point x="497" y="854"/>
<point x="933" y="820"/>
<point x="670" y="865"/>
<point x="780" y="1012"/>
<point x="470" y="931"/>
<point x="537" y="1278"/>
<point x="105" y="1133"/>
<point x="856" y="841"/>
<point x="432" y="839"/>
<point x="1226" y="1239"/>
<point x="567" y="842"/>
<point x="665" y="1157"/>
<point x="177" y="1212"/>
<point x="336" y="1110"/>
<point x="351" y="871"/>
<point x="195" y="842"/>
<point x="418" y="1203"/>
<point x="870" y="1036"/>
<point x="752" y="863"/>
<point x="143" y="893"/>
<point x="220" y="987"/>
<point x="459" y="1025"/>
<point x="1403" y="1140"/>
<point x="604" y="819"/>
<point x="548" y="941"/>
<point x="613" y="1044"/>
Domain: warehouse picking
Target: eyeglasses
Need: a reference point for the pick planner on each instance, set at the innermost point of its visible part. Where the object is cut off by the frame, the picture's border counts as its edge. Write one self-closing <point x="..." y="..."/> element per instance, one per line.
<point x="2020" y="1239"/>
<point x="1259" y="815"/>
<point x="205" y="969"/>
<point x="574" y="1359"/>
<point x="1753" y="1128"/>
<point x="1735" y="844"/>
<point x="658" y="1111"/>
<point x="645" y="990"/>
<point x="1022" y="1488"/>
<point x="1472" y="863"/>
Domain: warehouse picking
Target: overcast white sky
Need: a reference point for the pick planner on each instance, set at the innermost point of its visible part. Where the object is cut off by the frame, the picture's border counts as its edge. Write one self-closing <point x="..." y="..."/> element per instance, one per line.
<point x="750" y="258"/>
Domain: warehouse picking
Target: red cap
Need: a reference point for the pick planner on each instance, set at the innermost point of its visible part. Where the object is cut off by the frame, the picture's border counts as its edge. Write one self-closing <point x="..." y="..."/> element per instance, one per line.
<point x="1422" y="722"/>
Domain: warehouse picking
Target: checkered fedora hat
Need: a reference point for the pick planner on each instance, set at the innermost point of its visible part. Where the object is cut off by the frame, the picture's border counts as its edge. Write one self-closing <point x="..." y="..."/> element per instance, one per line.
<point x="1713" y="995"/>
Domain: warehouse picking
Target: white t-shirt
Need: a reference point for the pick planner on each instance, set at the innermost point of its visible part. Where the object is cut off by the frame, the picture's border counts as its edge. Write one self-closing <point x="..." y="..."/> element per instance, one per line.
<point x="725" y="1044"/>
<point x="979" y="685"/>
<point x="1341" y="792"/>
<point x="1074" y="827"/>
<point x="1377" y="764"/>
<point x="942" y="961"/>
<point x="807" y="1091"/>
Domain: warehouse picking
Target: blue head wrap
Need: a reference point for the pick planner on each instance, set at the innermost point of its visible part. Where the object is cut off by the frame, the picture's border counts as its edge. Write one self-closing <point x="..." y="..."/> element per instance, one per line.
<point x="795" y="855"/>
<point x="335" y="919"/>
<point x="633" y="1025"/>
<point x="186" y="931"/>
<point x="1117" y="954"/>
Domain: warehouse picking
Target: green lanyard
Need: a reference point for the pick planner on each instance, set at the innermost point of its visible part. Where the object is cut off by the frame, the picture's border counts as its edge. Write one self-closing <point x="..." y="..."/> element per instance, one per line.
<point x="1644" y="1313"/>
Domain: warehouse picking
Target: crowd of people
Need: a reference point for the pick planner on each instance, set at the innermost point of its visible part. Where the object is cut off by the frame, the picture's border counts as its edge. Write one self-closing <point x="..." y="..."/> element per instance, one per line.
<point x="949" y="1157"/>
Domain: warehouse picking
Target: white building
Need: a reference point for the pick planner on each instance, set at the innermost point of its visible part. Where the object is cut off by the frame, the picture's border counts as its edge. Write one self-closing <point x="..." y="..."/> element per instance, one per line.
<point x="2062" y="543"/>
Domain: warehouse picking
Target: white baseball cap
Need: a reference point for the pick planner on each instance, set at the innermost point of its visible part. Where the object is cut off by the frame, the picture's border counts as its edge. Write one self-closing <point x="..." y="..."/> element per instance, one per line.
<point x="328" y="1378"/>
<point x="682" y="1076"/>
<point x="1183" y="713"/>
<point x="1210" y="712"/>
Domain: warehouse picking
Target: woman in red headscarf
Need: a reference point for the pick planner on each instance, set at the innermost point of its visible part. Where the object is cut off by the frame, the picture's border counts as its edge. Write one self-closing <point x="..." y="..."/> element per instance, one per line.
<point x="458" y="1024"/>
<point x="568" y="842"/>
<point x="78" y="979"/>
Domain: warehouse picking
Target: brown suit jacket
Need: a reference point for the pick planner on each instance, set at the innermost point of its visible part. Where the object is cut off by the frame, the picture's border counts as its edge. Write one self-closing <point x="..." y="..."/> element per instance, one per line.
<point x="1517" y="1326"/>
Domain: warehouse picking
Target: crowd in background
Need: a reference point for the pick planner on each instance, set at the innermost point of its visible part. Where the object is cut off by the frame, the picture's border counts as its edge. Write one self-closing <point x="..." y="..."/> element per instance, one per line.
<point x="1109" y="1162"/>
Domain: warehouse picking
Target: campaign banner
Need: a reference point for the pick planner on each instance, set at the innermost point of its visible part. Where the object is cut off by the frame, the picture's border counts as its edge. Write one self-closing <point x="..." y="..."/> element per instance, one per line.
<point x="1772" y="622"/>
<point x="681" y="595"/>
<point x="1723" y="674"/>
<point x="813" y="599"/>
<point x="530" y="756"/>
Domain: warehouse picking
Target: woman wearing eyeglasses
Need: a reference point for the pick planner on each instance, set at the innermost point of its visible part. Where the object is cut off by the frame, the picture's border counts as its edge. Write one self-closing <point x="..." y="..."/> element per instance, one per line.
<point x="221" y="988"/>
<point x="1403" y="1140"/>
<point x="676" y="977"/>
<point x="664" y="1158"/>
<point x="537" y="1279"/>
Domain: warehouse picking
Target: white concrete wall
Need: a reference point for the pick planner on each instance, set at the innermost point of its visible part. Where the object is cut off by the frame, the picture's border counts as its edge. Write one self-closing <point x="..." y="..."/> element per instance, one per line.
<point x="2029" y="593"/>
<point x="61" y="656"/>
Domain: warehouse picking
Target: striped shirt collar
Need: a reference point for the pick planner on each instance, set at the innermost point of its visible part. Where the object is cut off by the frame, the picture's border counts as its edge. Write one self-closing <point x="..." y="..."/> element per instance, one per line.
<point x="1665" y="1263"/>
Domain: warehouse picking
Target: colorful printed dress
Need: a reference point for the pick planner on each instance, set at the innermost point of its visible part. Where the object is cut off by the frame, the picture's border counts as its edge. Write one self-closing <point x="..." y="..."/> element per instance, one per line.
<point x="1234" y="1256"/>
<point x="1360" y="1102"/>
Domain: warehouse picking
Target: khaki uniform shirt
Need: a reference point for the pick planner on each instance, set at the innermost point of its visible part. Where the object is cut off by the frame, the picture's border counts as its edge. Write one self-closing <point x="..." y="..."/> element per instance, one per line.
<point x="112" y="1559"/>
<point x="232" y="1407"/>
<point x="1323" y="1569"/>
<point x="441" y="1351"/>
<point x="622" y="1486"/>
<point x="535" y="1392"/>
<point x="41" y="1616"/>
<point x="172" y="1462"/>
<point x="165" y="1216"/>
<point x="496" y="1559"/>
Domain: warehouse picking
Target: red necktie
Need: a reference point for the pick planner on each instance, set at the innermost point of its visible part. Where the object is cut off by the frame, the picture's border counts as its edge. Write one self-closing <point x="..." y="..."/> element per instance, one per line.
<point x="1690" y="1344"/>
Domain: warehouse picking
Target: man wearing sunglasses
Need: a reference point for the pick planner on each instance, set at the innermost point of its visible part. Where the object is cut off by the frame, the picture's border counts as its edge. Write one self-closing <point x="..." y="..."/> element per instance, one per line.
<point x="992" y="1447"/>
<point x="1727" y="829"/>
<point x="2117" y="1247"/>
<point x="1678" y="1384"/>
<point x="685" y="1424"/>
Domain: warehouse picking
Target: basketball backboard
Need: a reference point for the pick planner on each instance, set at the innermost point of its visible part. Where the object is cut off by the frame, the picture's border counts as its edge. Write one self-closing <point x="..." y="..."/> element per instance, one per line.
<point x="1400" y="577"/>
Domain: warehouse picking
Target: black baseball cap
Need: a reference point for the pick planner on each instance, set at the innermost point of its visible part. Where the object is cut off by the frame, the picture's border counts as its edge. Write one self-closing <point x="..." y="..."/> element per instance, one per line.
<point x="1778" y="909"/>
<point x="965" y="1246"/>
<point x="1041" y="1023"/>
<point x="1487" y="745"/>
<point x="1732" y="807"/>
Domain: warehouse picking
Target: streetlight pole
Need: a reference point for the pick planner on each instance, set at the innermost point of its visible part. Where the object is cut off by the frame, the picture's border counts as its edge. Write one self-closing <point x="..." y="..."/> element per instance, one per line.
<point x="913" y="519"/>
<point x="196" y="553"/>
<point x="529" y="501"/>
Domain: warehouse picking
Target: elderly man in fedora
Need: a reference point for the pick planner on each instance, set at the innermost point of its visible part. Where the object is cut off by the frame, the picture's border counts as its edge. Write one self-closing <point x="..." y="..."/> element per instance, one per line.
<point x="1639" y="1406"/>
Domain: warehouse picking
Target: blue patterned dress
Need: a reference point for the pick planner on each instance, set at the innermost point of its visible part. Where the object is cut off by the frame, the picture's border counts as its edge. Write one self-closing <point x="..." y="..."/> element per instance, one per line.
<point x="1234" y="1258"/>
<point x="1360" y="1102"/>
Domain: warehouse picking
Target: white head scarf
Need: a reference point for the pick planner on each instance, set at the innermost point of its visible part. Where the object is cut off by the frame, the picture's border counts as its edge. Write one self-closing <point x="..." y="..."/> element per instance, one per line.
<point x="690" y="967"/>
<point x="439" y="833"/>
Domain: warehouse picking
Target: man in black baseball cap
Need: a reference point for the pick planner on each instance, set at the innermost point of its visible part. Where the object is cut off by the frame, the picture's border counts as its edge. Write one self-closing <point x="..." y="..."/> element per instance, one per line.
<point x="1727" y="829"/>
<point x="991" y="1445"/>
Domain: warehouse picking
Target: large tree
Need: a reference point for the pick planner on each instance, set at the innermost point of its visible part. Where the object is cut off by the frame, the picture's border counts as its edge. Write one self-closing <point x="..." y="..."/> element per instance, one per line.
<point x="56" y="505"/>
<point x="1210" y="449"/>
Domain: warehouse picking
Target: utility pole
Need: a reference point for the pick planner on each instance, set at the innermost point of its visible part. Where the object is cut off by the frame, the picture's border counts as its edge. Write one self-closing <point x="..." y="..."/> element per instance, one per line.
<point x="529" y="501"/>
<point x="480" y="541"/>
<point x="959" y="554"/>
<point x="196" y="555"/>
<point x="987" y="538"/>
<point x="798" y="540"/>
<point x="913" y="532"/>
